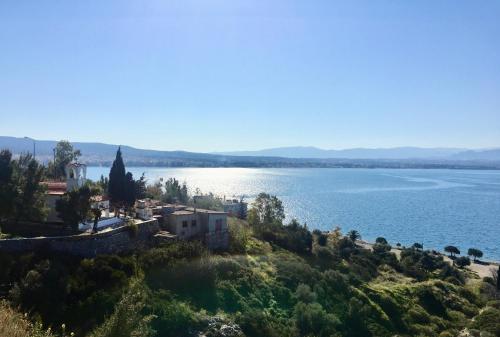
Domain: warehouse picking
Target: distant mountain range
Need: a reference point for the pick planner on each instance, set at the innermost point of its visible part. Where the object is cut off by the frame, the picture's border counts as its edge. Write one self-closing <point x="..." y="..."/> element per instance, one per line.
<point x="401" y="157"/>
<point x="380" y="153"/>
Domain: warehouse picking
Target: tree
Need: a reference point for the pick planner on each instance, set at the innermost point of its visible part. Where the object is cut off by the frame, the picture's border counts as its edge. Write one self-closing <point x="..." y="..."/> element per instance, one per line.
<point x="7" y="190"/>
<point x="418" y="246"/>
<point x="154" y="191"/>
<point x="269" y="209"/>
<point x="140" y="187"/>
<point x="381" y="240"/>
<point x="452" y="250"/>
<point x="462" y="261"/>
<point x="76" y="206"/>
<point x="322" y="239"/>
<point x="130" y="190"/>
<point x="476" y="253"/>
<point x="354" y="235"/>
<point x="175" y="191"/>
<point x="116" y="185"/>
<point x="104" y="183"/>
<point x="64" y="154"/>
<point x="29" y="197"/>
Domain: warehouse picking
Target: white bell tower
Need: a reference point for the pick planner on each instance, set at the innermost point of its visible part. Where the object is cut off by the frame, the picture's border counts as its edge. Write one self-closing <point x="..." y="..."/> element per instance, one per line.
<point x="76" y="175"/>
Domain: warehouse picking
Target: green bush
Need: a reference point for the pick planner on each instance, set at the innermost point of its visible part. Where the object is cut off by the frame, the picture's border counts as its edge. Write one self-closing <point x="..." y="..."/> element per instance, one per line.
<point x="488" y="320"/>
<point x="312" y="320"/>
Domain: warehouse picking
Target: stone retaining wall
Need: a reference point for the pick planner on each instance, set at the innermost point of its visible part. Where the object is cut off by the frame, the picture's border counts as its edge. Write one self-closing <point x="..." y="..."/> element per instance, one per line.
<point x="114" y="241"/>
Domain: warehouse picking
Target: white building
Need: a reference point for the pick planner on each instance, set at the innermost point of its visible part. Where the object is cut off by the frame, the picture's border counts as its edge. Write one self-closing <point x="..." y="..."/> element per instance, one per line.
<point x="235" y="207"/>
<point x="76" y="176"/>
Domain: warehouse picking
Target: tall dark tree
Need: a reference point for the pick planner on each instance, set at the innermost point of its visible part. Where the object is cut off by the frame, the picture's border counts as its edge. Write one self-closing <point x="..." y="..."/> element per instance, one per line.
<point x="7" y="190"/>
<point x="116" y="184"/>
<point x="130" y="190"/>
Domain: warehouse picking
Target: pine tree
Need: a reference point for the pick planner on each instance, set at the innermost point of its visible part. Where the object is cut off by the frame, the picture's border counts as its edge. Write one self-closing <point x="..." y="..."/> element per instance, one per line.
<point x="116" y="186"/>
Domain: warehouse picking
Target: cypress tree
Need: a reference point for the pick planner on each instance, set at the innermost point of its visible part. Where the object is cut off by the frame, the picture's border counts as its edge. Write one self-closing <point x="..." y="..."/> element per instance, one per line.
<point x="116" y="187"/>
<point x="130" y="192"/>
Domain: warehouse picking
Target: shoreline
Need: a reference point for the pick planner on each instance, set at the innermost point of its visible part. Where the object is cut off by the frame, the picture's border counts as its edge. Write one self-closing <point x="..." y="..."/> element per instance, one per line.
<point x="482" y="270"/>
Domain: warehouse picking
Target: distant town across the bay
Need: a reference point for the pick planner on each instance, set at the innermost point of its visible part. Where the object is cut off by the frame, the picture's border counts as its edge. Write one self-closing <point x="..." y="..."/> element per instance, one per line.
<point x="99" y="154"/>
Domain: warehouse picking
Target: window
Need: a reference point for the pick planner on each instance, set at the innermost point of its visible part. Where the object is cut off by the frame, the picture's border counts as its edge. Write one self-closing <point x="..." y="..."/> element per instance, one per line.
<point x="184" y="224"/>
<point x="193" y="223"/>
<point x="218" y="225"/>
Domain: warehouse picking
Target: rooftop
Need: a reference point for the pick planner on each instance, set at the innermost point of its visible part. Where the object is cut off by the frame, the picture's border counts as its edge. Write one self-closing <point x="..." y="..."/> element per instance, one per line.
<point x="55" y="187"/>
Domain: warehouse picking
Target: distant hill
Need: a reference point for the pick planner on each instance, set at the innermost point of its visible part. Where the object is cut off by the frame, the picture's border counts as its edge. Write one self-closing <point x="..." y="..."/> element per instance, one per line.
<point x="490" y="155"/>
<point x="98" y="154"/>
<point x="357" y="153"/>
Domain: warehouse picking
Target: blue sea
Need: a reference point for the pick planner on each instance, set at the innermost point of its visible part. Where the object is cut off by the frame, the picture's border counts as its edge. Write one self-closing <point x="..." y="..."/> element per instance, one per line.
<point x="433" y="207"/>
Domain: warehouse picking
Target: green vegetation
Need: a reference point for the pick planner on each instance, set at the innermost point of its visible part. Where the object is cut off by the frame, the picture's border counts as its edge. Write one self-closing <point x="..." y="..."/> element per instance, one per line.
<point x="276" y="280"/>
<point x="452" y="250"/>
<point x="476" y="253"/>
<point x="121" y="187"/>
<point x="22" y="197"/>
<point x="75" y="206"/>
<point x="64" y="153"/>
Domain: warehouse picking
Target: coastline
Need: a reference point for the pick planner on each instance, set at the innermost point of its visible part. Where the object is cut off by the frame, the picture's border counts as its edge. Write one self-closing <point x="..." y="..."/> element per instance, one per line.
<point x="482" y="269"/>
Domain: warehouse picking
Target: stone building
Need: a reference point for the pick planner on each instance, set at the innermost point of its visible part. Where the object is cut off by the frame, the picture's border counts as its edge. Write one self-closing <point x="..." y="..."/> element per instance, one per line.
<point x="207" y="225"/>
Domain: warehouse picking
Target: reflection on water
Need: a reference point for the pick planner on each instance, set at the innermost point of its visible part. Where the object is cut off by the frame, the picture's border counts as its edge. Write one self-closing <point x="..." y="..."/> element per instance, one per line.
<point x="437" y="207"/>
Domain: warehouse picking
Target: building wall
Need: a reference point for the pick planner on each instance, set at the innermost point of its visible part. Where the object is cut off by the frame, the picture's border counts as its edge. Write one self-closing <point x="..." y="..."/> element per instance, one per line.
<point x="115" y="241"/>
<point x="176" y="225"/>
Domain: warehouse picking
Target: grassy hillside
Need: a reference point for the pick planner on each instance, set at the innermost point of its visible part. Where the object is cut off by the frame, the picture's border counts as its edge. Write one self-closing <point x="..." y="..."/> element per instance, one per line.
<point x="258" y="288"/>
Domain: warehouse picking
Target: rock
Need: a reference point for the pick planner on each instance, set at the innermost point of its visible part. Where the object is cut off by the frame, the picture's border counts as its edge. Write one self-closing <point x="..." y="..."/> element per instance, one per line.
<point x="218" y="327"/>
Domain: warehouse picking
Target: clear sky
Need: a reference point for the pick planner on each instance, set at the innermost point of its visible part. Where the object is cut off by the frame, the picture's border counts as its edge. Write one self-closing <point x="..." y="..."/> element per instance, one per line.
<point x="216" y="75"/>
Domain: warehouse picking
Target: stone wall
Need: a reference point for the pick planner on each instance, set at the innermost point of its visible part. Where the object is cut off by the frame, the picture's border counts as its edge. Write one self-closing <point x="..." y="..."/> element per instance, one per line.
<point x="119" y="240"/>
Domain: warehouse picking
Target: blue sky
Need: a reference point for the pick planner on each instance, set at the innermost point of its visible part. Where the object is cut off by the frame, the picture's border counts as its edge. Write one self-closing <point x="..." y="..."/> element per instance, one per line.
<point x="214" y="75"/>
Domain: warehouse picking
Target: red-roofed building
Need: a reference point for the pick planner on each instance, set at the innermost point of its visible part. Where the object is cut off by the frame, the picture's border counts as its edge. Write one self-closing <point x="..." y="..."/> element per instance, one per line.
<point x="75" y="178"/>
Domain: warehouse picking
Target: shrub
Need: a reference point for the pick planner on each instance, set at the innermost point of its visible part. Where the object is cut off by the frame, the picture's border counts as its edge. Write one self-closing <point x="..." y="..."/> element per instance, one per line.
<point x="128" y="318"/>
<point x="488" y="320"/>
<point x="303" y="293"/>
<point x="313" y="320"/>
<point x="172" y="318"/>
<point x="462" y="261"/>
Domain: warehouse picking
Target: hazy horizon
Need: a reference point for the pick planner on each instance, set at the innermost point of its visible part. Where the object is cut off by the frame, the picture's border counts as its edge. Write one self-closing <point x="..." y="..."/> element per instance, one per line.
<point x="219" y="76"/>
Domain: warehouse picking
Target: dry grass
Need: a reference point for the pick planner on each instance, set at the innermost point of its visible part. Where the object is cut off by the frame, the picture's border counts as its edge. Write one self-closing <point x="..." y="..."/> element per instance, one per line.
<point x="14" y="324"/>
